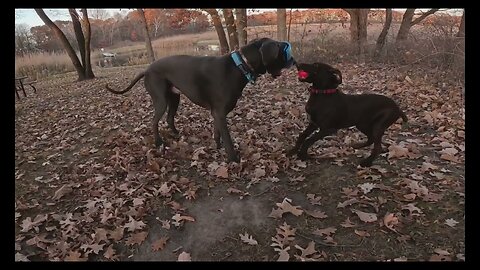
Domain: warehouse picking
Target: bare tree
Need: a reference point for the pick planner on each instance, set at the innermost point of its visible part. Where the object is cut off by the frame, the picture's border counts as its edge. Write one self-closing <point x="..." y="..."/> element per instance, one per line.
<point x="231" y="28"/>
<point x="148" y="42"/>
<point x="281" y="24"/>
<point x="408" y="22"/>
<point x="383" y="35"/>
<point x="241" y="20"/>
<point x="289" y="25"/>
<point x="81" y="69"/>
<point x="87" y="35"/>
<point x="461" y="28"/>
<point x="99" y="14"/>
<point x="219" y="28"/>
<point x="358" y="28"/>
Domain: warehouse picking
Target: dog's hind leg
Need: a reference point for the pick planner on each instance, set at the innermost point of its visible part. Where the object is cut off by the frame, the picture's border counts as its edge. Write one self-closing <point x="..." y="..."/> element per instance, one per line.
<point x="173" y="101"/>
<point x="302" y="153"/>
<point x="365" y="129"/>
<point x="378" y="130"/>
<point x="301" y="138"/>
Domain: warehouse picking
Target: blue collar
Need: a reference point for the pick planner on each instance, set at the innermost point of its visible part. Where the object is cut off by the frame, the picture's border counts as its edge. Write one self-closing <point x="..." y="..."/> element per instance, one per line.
<point x="243" y="66"/>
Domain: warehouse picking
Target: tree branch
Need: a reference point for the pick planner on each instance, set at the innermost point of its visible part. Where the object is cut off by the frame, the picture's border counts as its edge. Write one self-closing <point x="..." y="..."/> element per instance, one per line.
<point x="424" y="15"/>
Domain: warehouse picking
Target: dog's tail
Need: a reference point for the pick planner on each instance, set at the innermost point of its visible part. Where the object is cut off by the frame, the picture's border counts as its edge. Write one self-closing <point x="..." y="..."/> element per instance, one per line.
<point x="135" y="80"/>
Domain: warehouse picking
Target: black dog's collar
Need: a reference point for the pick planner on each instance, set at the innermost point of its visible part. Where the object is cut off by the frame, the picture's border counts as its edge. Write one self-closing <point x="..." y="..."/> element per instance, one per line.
<point x="242" y="64"/>
<point x="313" y="90"/>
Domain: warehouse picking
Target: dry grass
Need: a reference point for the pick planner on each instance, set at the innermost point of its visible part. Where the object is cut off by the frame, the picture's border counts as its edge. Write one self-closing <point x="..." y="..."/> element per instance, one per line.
<point x="311" y="42"/>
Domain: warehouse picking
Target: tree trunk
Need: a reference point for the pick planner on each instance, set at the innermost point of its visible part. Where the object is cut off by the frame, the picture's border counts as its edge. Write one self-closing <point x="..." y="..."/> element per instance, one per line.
<point x="231" y="29"/>
<point x="406" y="25"/>
<point x="88" y="34"/>
<point x="219" y="28"/>
<point x="77" y="28"/>
<point x="289" y="25"/>
<point x="408" y="22"/>
<point x="281" y="24"/>
<point x="358" y="28"/>
<point x="71" y="53"/>
<point x="146" y="33"/>
<point x="241" y="20"/>
<point x="461" y="29"/>
<point x="383" y="35"/>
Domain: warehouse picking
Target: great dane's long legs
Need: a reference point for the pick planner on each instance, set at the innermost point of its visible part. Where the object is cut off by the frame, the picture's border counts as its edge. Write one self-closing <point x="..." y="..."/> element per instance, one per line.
<point x="173" y="101"/>
<point x="157" y="88"/>
<point x="220" y="122"/>
<point x="301" y="138"/>
<point x="216" y="136"/>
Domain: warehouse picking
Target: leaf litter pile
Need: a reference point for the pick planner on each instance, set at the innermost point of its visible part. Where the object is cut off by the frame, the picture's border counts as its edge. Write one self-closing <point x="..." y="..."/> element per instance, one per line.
<point x="89" y="184"/>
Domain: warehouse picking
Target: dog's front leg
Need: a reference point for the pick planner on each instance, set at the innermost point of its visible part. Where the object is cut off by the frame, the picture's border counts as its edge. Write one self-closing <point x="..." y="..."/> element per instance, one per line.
<point x="302" y="154"/>
<point x="301" y="138"/>
<point x="220" y="122"/>
<point x="216" y="136"/>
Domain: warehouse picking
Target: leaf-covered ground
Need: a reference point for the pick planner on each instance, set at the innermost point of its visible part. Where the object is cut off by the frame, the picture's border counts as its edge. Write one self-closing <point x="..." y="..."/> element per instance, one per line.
<point x="90" y="185"/>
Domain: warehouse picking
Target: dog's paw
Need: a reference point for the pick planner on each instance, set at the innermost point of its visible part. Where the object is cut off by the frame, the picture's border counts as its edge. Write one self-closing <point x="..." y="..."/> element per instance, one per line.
<point x="366" y="163"/>
<point x="234" y="158"/>
<point x="292" y="152"/>
<point x="303" y="156"/>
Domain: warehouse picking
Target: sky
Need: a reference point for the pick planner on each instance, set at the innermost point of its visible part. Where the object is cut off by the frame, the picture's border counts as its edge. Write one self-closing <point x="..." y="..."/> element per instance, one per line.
<point x="30" y="17"/>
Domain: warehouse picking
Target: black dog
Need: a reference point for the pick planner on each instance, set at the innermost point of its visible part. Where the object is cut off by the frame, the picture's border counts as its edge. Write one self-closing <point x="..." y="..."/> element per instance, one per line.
<point x="329" y="110"/>
<point x="214" y="83"/>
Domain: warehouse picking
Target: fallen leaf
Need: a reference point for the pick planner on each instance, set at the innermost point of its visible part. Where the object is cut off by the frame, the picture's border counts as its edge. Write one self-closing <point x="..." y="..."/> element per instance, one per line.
<point x="259" y="172"/>
<point x="184" y="257"/>
<point x="366" y="187"/>
<point x="283" y="254"/>
<point x="160" y="243"/>
<point x="138" y="201"/>
<point x="316" y="214"/>
<point x="110" y="253"/>
<point x="365" y="217"/>
<point x="347" y="202"/>
<point x="222" y="172"/>
<point x="246" y="238"/>
<point x="95" y="248"/>
<point x="451" y="222"/>
<point x="136" y="238"/>
<point x="315" y="200"/>
<point x="117" y="234"/>
<point x="325" y="232"/>
<point x="362" y="233"/>
<point x="133" y="225"/>
<point x="347" y="223"/>
<point x="440" y="251"/>
<point x="65" y="189"/>
<point x="19" y="257"/>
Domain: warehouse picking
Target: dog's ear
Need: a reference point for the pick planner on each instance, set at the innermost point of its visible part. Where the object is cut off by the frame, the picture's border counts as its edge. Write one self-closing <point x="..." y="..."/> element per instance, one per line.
<point x="338" y="75"/>
<point x="269" y="52"/>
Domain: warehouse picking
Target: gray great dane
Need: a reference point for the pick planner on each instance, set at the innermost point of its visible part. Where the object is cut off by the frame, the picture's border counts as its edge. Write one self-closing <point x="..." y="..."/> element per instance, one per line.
<point x="212" y="82"/>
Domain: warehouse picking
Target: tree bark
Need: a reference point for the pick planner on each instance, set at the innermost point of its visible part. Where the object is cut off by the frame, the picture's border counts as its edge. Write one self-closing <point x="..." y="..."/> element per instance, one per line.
<point x="71" y="53"/>
<point x="77" y="28"/>
<point x="289" y="25"/>
<point x="88" y="34"/>
<point x="231" y="29"/>
<point x="408" y="22"/>
<point x="383" y="35"/>
<point x="281" y="24"/>
<point x="219" y="28"/>
<point x="148" y="42"/>
<point x="461" y="29"/>
<point x="241" y="20"/>
<point x="358" y="28"/>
